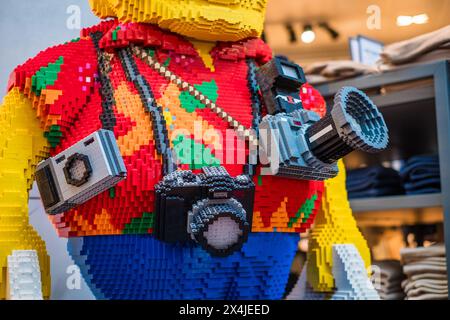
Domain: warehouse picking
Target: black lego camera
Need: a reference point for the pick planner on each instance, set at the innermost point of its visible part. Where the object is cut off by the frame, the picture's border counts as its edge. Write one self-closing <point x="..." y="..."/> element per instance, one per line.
<point x="210" y="208"/>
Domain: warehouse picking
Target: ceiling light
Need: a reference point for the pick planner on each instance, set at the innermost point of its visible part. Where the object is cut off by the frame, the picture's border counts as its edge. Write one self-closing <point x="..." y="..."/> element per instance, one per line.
<point x="421" y="19"/>
<point x="404" y="21"/>
<point x="308" y="34"/>
<point x="333" y="33"/>
<point x="292" y="34"/>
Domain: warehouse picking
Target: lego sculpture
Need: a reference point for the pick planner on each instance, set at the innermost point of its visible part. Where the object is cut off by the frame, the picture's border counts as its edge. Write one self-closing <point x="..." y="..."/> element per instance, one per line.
<point x="180" y="158"/>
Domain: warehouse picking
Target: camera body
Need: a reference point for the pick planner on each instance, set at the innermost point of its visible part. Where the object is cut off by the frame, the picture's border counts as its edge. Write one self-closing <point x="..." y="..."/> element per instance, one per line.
<point x="280" y="81"/>
<point x="284" y="145"/>
<point x="211" y="208"/>
<point x="80" y="172"/>
<point x="297" y="143"/>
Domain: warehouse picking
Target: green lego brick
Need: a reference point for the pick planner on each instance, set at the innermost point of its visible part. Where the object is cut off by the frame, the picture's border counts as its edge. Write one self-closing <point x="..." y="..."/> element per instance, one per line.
<point x="307" y="208"/>
<point x="209" y="89"/>
<point x="54" y="135"/>
<point x="140" y="225"/>
<point x="46" y="76"/>
<point x="114" y="33"/>
<point x="112" y="192"/>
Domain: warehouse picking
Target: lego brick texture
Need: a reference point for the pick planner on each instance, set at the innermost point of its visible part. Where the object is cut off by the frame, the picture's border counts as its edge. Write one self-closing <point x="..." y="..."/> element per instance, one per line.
<point x="69" y="91"/>
<point x="349" y="272"/>
<point x="141" y="267"/>
<point x="24" y="276"/>
<point x="64" y="87"/>
<point x="209" y="20"/>
<point x="22" y="146"/>
<point x="334" y="225"/>
<point x="350" y="275"/>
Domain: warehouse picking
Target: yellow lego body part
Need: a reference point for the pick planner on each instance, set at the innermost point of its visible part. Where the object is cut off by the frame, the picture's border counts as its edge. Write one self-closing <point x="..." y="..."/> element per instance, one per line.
<point x="211" y="20"/>
<point x="334" y="224"/>
<point x="22" y="146"/>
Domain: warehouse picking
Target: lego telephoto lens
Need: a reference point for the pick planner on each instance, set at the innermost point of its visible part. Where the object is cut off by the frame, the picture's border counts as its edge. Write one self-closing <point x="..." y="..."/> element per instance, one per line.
<point x="354" y="123"/>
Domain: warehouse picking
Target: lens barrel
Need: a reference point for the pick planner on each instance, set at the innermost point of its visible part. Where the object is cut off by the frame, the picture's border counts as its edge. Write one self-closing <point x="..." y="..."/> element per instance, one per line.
<point x="354" y="123"/>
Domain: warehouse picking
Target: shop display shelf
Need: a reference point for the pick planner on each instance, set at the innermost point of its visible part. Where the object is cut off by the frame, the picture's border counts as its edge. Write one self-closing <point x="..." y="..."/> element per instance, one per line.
<point x="396" y="202"/>
<point x="415" y="101"/>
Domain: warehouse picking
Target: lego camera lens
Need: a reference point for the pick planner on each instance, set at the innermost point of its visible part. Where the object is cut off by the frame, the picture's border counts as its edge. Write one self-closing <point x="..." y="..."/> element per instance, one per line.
<point x="355" y="123"/>
<point x="77" y="169"/>
<point x="215" y="236"/>
<point x="366" y="129"/>
<point x="221" y="229"/>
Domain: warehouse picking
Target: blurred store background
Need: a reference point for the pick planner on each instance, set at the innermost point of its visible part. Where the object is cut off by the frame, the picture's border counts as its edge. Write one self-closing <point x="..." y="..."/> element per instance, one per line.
<point x="374" y="19"/>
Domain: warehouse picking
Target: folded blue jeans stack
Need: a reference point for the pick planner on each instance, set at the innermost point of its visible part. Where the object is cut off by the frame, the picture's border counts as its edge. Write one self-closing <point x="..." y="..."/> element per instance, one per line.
<point x="421" y="175"/>
<point x="374" y="181"/>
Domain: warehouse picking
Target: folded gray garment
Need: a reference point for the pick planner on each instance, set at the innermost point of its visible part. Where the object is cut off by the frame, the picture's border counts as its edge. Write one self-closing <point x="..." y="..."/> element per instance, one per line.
<point x="428" y="276"/>
<point x="413" y="254"/>
<point x="390" y="273"/>
<point x="390" y="286"/>
<point x="412" y="49"/>
<point x="426" y="259"/>
<point x="431" y="260"/>
<point x="384" y="294"/>
<point x="414" y="292"/>
<point x="427" y="262"/>
<point x="393" y="296"/>
<point x="422" y="268"/>
<point x="429" y="296"/>
<point x="432" y="286"/>
<point x="338" y="69"/>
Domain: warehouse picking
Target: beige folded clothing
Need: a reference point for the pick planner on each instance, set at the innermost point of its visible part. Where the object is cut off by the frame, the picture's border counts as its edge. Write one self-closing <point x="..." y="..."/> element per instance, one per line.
<point x="426" y="271"/>
<point x="431" y="276"/>
<point x="429" y="296"/>
<point x="421" y="268"/>
<point x="440" y="287"/>
<point x="414" y="254"/>
<point x="334" y="70"/>
<point x="410" y="50"/>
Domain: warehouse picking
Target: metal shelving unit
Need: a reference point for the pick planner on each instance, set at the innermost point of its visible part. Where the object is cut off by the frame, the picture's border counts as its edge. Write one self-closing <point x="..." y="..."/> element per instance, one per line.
<point x="427" y="104"/>
<point x="396" y="202"/>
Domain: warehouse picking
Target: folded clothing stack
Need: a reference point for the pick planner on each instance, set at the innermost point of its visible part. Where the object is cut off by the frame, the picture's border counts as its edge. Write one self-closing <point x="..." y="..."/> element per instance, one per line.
<point x="427" y="47"/>
<point x="388" y="277"/>
<point x="426" y="272"/>
<point x="373" y="182"/>
<point x="327" y="71"/>
<point x="421" y="175"/>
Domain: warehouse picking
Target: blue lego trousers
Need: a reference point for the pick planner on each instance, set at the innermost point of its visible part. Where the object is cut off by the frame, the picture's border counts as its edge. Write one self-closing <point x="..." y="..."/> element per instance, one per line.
<point x="141" y="267"/>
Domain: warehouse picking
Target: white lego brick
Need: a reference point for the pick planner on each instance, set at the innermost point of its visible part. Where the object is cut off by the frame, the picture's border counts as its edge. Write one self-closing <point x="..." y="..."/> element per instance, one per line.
<point x="24" y="276"/>
<point x="303" y="291"/>
<point x="350" y="275"/>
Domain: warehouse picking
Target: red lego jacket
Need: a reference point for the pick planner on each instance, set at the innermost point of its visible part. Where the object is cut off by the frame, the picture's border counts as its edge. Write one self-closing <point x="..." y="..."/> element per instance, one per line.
<point x="63" y="83"/>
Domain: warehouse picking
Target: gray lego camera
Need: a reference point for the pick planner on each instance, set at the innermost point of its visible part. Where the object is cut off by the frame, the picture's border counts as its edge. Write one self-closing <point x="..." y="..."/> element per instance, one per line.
<point x="300" y="145"/>
<point x="80" y="172"/>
